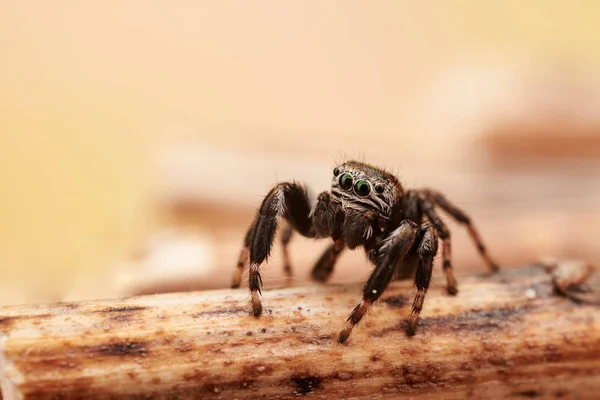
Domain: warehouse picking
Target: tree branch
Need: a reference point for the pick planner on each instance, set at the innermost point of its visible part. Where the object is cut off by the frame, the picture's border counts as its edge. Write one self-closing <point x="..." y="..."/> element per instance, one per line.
<point x="504" y="336"/>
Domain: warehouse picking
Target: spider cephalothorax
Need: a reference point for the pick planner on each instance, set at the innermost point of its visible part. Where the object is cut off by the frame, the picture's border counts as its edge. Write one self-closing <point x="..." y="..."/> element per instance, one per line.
<point x="366" y="207"/>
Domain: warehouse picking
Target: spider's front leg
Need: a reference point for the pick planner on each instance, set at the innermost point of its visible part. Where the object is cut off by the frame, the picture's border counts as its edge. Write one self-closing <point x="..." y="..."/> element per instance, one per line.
<point x="394" y="250"/>
<point x="288" y="200"/>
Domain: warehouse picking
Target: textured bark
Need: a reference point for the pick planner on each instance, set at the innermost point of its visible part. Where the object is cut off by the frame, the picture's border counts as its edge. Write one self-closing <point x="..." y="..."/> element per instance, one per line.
<point x="506" y="336"/>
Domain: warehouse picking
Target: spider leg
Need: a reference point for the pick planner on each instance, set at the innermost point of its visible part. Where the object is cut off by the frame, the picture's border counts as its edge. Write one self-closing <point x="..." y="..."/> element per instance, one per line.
<point x="412" y="211"/>
<point x="396" y="247"/>
<point x="324" y="266"/>
<point x="444" y="234"/>
<point x="288" y="200"/>
<point x="464" y="219"/>
<point x="427" y="250"/>
<point x="286" y="236"/>
<point x="242" y="260"/>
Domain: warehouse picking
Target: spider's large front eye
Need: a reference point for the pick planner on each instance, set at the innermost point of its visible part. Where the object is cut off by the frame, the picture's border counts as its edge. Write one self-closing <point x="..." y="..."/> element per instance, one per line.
<point x="346" y="182"/>
<point x="362" y="188"/>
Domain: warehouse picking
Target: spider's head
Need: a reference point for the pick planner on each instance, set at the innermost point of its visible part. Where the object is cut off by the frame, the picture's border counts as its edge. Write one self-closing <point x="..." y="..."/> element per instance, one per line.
<point x="362" y="187"/>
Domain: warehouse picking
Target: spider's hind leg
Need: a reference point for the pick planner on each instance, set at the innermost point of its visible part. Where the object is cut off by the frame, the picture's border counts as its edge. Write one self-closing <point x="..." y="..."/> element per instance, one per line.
<point x="242" y="260"/>
<point x="460" y="216"/>
<point x="286" y="236"/>
<point x="324" y="266"/>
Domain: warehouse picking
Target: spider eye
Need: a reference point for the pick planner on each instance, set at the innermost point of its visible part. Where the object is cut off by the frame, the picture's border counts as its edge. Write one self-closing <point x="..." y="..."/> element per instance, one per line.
<point x="336" y="171"/>
<point x="362" y="188"/>
<point x="379" y="188"/>
<point x="346" y="181"/>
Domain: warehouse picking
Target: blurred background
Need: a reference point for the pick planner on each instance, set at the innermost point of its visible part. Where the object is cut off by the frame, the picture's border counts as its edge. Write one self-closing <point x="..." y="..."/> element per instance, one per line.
<point x="137" y="138"/>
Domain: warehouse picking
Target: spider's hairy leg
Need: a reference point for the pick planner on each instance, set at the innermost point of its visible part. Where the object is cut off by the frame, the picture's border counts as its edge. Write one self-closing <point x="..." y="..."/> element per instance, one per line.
<point x="324" y="267"/>
<point x="427" y="250"/>
<point x="288" y="200"/>
<point x="242" y="260"/>
<point x="459" y="215"/>
<point x="286" y="236"/>
<point x="444" y="234"/>
<point x="394" y="249"/>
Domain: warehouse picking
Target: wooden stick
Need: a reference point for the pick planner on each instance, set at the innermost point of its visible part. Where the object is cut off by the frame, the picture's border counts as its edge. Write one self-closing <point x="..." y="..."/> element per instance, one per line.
<point x="504" y="336"/>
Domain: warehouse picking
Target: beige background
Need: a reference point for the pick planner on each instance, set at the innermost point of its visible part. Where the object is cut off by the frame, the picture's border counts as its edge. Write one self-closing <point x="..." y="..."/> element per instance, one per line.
<point x="112" y="113"/>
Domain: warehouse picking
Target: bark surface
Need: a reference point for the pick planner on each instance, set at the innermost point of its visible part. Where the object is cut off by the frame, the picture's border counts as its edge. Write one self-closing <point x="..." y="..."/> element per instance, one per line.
<point x="504" y="336"/>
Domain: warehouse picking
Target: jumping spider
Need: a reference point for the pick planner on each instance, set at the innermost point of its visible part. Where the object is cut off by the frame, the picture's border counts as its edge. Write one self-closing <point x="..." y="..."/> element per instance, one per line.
<point x="368" y="207"/>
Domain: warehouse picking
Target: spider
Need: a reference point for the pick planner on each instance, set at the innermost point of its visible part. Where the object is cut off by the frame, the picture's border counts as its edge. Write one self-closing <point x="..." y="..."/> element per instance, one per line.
<point x="367" y="207"/>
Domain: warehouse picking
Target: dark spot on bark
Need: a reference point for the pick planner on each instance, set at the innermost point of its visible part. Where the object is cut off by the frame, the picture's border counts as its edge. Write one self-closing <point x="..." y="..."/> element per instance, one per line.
<point x="396" y="301"/>
<point x="474" y="321"/>
<point x="481" y="320"/>
<point x="249" y="333"/>
<point x="316" y="340"/>
<point x="123" y="348"/>
<point x="123" y="314"/>
<point x="299" y="308"/>
<point x="375" y="357"/>
<point x="132" y="375"/>
<point x="220" y="312"/>
<point x="120" y="318"/>
<point x="121" y="309"/>
<point x="528" y="393"/>
<point x="70" y="306"/>
<point x="263" y="330"/>
<point x="306" y="384"/>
